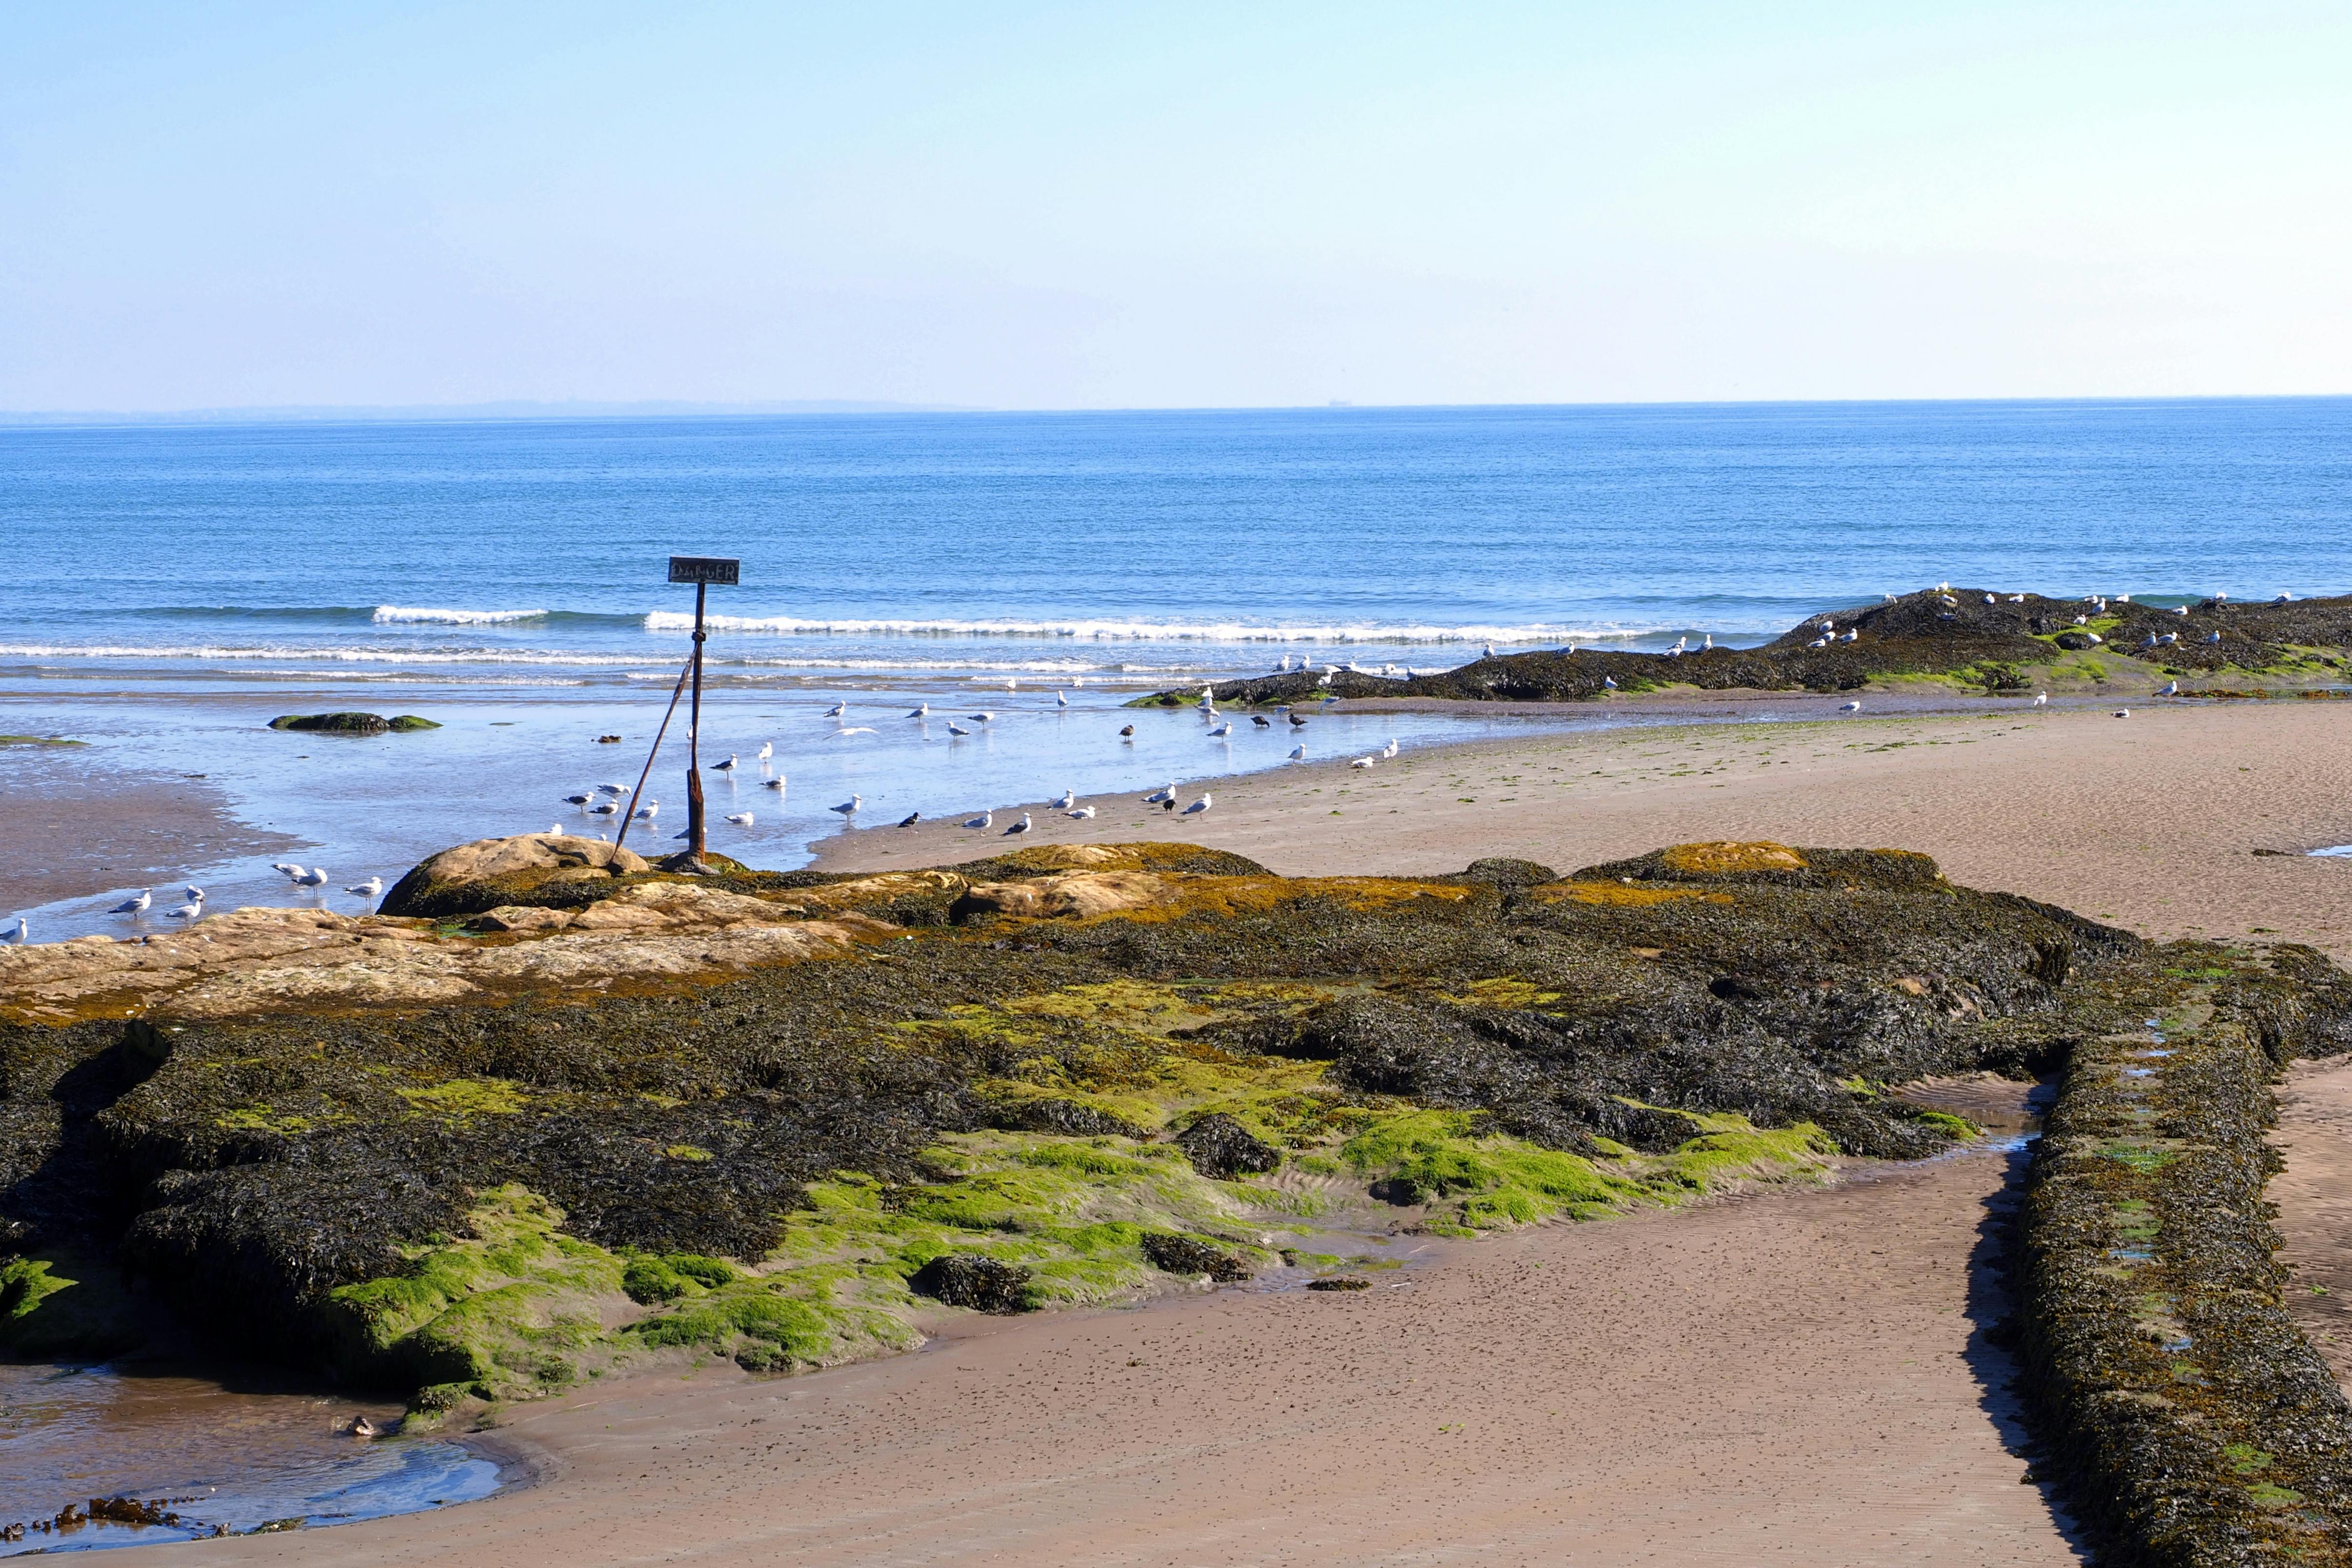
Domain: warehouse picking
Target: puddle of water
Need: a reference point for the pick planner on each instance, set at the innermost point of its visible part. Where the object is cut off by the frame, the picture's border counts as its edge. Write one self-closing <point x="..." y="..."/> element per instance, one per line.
<point x="2333" y="851"/>
<point x="2157" y="1053"/>
<point x="214" y="1455"/>
<point x="2139" y="1072"/>
<point x="2132" y="1254"/>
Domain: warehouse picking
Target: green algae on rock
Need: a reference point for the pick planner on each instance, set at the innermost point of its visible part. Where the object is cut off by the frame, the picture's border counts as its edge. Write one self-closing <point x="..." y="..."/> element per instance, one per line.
<point x="749" y="1115"/>
<point x="2194" y="1423"/>
<point x="1966" y="639"/>
<point x="351" y="723"/>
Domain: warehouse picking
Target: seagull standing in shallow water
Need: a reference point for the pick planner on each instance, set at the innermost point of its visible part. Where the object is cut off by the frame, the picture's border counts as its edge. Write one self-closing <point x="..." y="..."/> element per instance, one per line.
<point x="315" y="876"/>
<point x="137" y="906"/>
<point x="1850" y="708"/>
<point x="647" y="812"/>
<point x="767" y="750"/>
<point x="725" y="767"/>
<point x="367" y="889"/>
<point x="1298" y="752"/>
<point x="740" y="818"/>
<point x="848" y="807"/>
<point x="919" y="711"/>
<point x="836" y="710"/>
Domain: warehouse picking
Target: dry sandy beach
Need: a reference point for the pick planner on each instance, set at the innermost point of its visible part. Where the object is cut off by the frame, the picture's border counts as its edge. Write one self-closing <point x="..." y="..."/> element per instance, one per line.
<point x="1796" y="1377"/>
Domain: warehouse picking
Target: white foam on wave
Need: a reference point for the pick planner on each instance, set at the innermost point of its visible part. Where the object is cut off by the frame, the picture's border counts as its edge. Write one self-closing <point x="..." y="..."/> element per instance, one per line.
<point x="1139" y="631"/>
<point x="400" y="615"/>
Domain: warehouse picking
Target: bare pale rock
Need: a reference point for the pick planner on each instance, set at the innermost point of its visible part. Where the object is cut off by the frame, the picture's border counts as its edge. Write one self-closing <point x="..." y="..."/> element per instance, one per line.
<point x="1073" y="895"/>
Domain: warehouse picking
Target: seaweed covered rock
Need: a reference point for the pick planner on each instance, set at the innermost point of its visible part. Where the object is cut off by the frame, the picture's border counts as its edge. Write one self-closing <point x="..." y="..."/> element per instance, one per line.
<point x="1185" y="1255"/>
<point x="297" y="1129"/>
<point x="1974" y="637"/>
<point x="1221" y="1148"/>
<point x="351" y="723"/>
<point x="982" y="1284"/>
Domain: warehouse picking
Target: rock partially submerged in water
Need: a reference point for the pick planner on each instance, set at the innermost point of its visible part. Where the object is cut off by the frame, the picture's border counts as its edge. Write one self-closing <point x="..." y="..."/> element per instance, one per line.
<point x="351" y="723"/>
<point x="433" y="1154"/>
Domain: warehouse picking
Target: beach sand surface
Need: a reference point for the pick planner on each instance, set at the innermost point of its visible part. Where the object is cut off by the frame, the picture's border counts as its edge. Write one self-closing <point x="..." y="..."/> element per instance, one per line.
<point x="2150" y="822"/>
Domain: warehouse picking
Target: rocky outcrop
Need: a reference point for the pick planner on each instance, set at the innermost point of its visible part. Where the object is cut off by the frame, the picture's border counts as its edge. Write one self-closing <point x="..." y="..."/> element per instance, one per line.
<point x="490" y="872"/>
<point x="351" y="723"/>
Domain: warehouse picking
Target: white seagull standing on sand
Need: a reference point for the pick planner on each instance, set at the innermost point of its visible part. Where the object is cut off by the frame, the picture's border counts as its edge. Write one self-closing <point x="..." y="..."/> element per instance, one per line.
<point x="848" y="807"/>
<point x="1198" y="805"/>
<point x="1158" y="796"/>
<point x="1298" y="752"/>
<point x="1081" y="812"/>
<point x="2041" y="699"/>
<point x="1068" y="798"/>
<point x="2123" y="712"/>
<point x="1020" y="827"/>
<point x="1390" y="748"/>
<point x="315" y="876"/>
<point x="1362" y="762"/>
<point x="137" y="906"/>
<point x="367" y="889"/>
<point x="985" y="819"/>
<point x="2169" y="689"/>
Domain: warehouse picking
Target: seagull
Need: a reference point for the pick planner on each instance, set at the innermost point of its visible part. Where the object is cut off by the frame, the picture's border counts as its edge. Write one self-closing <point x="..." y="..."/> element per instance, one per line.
<point x="956" y="728"/>
<point x="836" y="710"/>
<point x="554" y="830"/>
<point x="1082" y="813"/>
<point x="1390" y="748"/>
<point x="645" y="812"/>
<point x="2213" y="636"/>
<point x="137" y="906"/>
<point x="848" y="807"/>
<point x="985" y="819"/>
<point x="1068" y="799"/>
<point x="1490" y="650"/>
<point x="1610" y="682"/>
<point x="1020" y="827"/>
<point x="1298" y="752"/>
<point x="740" y="818"/>
<point x="919" y="711"/>
<point x="2123" y="712"/>
<point x="292" y="869"/>
<point x="1199" y="806"/>
<point x="2041" y="699"/>
<point x="1061" y="700"/>
<point x="188" y="911"/>
<point x="1988" y="599"/>
<point x="1362" y="762"/>
<point x="1159" y="796"/>
<point x="612" y="789"/>
<point x="911" y="818"/>
<point x="315" y="876"/>
<point x="579" y="800"/>
<point x="725" y="767"/>
<point x="2020" y="598"/>
<point x="195" y="895"/>
<point x="2169" y="689"/>
<point x="1850" y="708"/>
<point x="983" y="717"/>
<point x="607" y="808"/>
<point x="23" y="933"/>
<point x="683" y="832"/>
<point x="1220" y="731"/>
<point x="767" y="750"/>
<point x="1128" y="733"/>
<point x="367" y="889"/>
<point x="776" y="782"/>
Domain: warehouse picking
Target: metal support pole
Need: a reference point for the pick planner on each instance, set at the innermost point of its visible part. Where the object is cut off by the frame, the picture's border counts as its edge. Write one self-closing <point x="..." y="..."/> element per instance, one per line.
<point x="696" y="841"/>
<point x="629" y="815"/>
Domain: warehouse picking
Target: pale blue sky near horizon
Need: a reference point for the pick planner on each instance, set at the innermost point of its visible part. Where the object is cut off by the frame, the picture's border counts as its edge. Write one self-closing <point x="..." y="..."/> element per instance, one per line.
<point x="1046" y="205"/>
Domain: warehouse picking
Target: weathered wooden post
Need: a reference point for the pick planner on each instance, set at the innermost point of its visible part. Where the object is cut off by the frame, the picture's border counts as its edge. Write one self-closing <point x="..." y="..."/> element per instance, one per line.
<point x="701" y="571"/>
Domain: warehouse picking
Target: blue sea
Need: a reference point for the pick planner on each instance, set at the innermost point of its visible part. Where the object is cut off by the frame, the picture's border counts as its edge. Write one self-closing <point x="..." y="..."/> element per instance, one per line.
<point x="171" y="587"/>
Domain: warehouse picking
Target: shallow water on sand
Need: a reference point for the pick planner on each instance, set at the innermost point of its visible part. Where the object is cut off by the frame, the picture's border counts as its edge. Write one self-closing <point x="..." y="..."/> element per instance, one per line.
<point x="219" y="1455"/>
<point x="376" y="805"/>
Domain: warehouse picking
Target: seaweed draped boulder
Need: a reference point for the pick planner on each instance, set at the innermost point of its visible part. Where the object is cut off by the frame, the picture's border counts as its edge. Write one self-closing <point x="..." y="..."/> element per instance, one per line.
<point x="351" y="723"/>
<point x="435" y="1145"/>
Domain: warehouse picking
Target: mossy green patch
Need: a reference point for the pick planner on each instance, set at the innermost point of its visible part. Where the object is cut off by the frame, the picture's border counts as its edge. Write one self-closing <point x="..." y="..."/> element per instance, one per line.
<point x="515" y="1308"/>
<point x="465" y="1097"/>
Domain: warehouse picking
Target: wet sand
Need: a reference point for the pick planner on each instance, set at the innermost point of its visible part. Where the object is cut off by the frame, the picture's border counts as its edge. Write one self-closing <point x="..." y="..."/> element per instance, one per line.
<point x="1800" y="1377"/>
<point x="2148" y="822"/>
<point x="78" y="826"/>
<point x="2315" y="1198"/>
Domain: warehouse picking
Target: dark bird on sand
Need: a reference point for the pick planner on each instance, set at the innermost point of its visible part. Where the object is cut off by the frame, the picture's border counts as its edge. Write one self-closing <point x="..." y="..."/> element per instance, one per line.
<point x="911" y="818"/>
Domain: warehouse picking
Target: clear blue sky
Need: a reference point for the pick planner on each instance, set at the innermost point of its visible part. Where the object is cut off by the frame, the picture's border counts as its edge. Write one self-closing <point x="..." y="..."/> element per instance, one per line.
<point x="1040" y="205"/>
